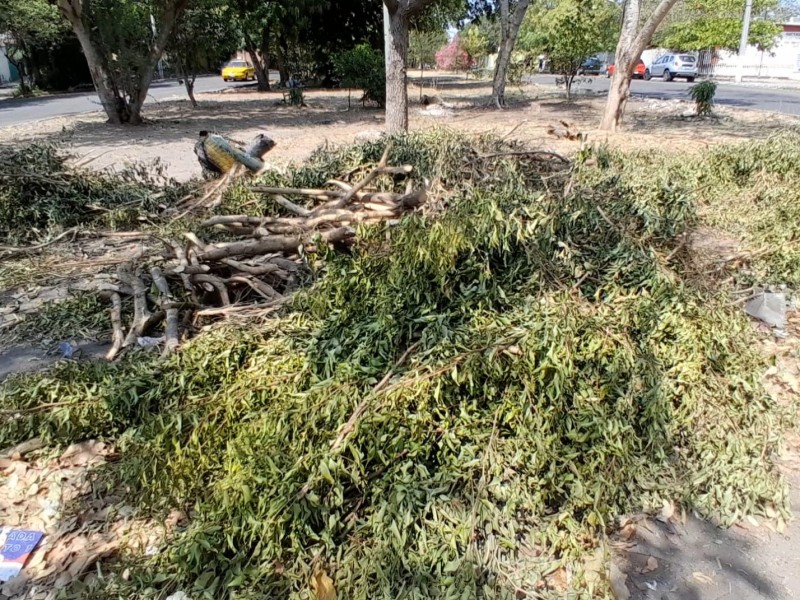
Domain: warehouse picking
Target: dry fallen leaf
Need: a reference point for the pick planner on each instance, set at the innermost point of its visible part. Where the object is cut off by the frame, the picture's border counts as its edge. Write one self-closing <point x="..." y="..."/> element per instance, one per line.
<point x="702" y="577"/>
<point x="557" y="580"/>
<point x="627" y="532"/>
<point x="322" y="586"/>
<point x="652" y="565"/>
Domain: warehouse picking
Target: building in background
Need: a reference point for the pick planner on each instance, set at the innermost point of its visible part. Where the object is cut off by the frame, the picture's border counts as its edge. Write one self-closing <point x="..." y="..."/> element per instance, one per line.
<point x="8" y="72"/>
<point x="782" y="62"/>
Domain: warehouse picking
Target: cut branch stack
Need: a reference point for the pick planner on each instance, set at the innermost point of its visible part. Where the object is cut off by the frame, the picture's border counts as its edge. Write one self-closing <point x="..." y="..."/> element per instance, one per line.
<point x="259" y="269"/>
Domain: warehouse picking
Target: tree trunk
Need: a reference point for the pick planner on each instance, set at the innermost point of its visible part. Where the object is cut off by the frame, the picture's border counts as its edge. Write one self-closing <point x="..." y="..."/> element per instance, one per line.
<point x="109" y="96"/>
<point x="189" y="83"/>
<point x="263" y="81"/>
<point x="629" y="48"/>
<point x="509" y="29"/>
<point x="118" y="108"/>
<point x="421" y="78"/>
<point x="396" y="32"/>
<point x="568" y="81"/>
<point x="282" y="59"/>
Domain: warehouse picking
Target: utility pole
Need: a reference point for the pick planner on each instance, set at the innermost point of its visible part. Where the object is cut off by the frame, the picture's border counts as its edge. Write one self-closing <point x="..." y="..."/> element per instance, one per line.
<point x="743" y="41"/>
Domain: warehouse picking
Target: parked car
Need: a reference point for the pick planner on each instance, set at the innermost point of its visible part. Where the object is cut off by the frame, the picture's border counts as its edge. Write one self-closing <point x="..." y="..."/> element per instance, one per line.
<point x="638" y="72"/>
<point x="591" y="66"/>
<point x="238" y="70"/>
<point x="670" y="66"/>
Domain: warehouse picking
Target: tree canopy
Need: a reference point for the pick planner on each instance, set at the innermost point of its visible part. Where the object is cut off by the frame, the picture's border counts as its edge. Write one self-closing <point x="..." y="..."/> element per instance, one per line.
<point x="28" y="25"/>
<point x="705" y="24"/>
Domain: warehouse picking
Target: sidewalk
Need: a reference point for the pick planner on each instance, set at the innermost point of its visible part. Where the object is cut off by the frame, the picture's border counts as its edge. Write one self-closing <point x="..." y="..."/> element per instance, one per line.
<point x="765" y="83"/>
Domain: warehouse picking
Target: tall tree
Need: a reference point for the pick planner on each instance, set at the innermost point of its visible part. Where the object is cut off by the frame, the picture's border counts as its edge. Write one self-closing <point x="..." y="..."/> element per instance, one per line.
<point x="633" y="40"/>
<point x="397" y="17"/>
<point x="511" y="17"/>
<point x="28" y="25"/>
<point x="255" y="20"/>
<point x="203" y="38"/>
<point x="569" y="32"/>
<point x="122" y="40"/>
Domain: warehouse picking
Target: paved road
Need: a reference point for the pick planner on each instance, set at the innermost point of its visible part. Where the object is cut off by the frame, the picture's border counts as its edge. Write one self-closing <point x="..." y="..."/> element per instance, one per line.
<point x="729" y="94"/>
<point x="25" y="110"/>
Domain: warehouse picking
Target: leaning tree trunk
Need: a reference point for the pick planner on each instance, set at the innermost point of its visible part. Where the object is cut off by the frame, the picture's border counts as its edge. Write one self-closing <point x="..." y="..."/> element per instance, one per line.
<point x="629" y="48"/>
<point x="396" y="32"/>
<point x="103" y="83"/>
<point x="509" y="29"/>
<point x="119" y="108"/>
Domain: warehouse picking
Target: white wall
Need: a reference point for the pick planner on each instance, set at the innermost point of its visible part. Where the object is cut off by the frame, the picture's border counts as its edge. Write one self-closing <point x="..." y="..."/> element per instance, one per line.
<point x="5" y="68"/>
<point x="783" y="61"/>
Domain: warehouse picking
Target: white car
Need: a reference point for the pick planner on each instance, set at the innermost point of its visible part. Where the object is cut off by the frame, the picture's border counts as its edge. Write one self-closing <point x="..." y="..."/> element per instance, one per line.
<point x="670" y="66"/>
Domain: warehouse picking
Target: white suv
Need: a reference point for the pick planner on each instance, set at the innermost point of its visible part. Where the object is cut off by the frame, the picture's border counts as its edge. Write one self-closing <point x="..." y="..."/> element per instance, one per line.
<point x="671" y="66"/>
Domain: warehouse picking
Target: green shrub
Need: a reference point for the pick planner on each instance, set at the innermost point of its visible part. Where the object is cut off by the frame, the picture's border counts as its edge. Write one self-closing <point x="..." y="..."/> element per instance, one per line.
<point x="703" y="96"/>
<point x="363" y="68"/>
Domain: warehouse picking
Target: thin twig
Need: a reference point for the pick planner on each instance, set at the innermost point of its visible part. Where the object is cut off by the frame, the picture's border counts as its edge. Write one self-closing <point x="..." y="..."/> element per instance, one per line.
<point x="13" y="251"/>
<point x="352" y="422"/>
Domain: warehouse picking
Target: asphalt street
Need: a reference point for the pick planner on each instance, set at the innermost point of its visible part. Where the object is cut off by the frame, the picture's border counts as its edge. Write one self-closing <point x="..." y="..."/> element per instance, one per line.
<point x="785" y="101"/>
<point x="24" y="110"/>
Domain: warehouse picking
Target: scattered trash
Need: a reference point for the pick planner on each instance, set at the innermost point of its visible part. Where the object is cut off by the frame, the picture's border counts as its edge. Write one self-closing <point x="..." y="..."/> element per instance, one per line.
<point x="178" y="596"/>
<point x="437" y="110"/>
<point x="67" y="349"/>
<point x="768" y="307"/>
<point x="151" y="550"/>
<point x="149" y="342"/>
<point x="651" y="585"/>
<point x="16" y="546"/>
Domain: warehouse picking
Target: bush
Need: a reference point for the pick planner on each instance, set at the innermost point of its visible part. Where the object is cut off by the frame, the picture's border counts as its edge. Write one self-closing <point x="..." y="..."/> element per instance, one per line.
<point x="453" y="57"/>
<point x="703" y="96"/>
<point x="363" y="68"/>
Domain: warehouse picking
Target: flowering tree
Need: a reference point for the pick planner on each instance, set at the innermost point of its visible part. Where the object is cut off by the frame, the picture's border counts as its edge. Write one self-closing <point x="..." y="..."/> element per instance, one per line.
<point x="453" y="57"/>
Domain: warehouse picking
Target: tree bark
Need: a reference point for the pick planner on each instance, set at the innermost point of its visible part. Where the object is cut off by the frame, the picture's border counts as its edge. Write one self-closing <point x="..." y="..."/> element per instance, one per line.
<point x="396" y="17"/>
<point x="189" y="83"/>
<point x="629" y="48"/>
<point x="118" y="108"/>
<point x="104" y="85"/>
<point x="396" y="31"/>
<point x="282" y="56"/>
<point x="509" y="29"/>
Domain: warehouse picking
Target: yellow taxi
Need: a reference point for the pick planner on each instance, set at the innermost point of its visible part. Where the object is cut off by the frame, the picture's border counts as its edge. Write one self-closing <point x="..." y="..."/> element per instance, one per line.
<point x="238" y="70"/>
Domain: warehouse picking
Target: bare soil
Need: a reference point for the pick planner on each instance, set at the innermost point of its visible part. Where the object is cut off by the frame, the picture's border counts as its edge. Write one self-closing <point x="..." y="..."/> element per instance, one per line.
<point x="330" y="118"/>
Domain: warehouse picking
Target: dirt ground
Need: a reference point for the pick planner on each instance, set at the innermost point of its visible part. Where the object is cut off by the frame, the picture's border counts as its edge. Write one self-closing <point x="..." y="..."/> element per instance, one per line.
<point x="533" y="110"/>
<point x="669" y="557"/>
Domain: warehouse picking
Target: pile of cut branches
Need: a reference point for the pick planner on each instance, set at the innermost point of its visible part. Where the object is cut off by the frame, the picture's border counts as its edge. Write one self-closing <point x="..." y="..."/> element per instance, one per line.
<point x="458" y="407"/>
<point x="261" y="264"/>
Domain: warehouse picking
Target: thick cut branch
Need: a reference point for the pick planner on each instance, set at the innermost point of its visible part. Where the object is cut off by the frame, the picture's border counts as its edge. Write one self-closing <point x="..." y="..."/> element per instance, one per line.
<point x="171" y="335"/>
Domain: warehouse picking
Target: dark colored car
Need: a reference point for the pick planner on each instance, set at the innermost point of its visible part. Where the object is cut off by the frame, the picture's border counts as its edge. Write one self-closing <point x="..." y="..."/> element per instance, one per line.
<point x="591" y="66"/>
